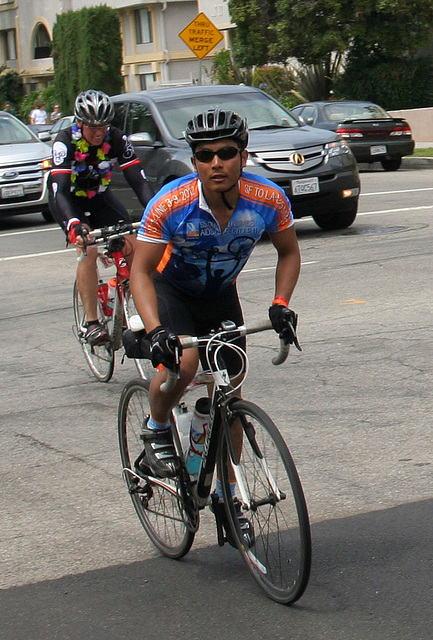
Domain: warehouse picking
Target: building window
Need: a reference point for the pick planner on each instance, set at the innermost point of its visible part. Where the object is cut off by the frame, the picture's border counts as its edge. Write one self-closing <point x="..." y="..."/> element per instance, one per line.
<point x="41" y="43"/>
<point x="146" y="79"/>
<point x="143" y="29"/>
<point x="8" y="45"/>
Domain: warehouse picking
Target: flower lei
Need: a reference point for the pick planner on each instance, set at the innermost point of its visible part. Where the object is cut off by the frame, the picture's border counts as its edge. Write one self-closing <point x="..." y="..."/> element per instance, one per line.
<point x="80" y="165"/>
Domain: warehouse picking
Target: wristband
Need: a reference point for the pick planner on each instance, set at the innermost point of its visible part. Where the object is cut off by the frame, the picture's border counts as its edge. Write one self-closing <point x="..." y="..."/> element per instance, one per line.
<point x="71" y="222"/>
<point x="281" y="300"/>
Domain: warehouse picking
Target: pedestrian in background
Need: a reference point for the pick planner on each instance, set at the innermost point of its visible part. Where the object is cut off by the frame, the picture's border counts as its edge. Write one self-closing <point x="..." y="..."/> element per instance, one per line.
<point x="55" y="113"/>
<point x="38" y="115"/>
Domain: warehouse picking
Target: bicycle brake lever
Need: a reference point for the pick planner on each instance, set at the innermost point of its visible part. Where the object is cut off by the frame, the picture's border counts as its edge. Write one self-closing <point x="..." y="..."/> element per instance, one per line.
<point x="83" y="253"/>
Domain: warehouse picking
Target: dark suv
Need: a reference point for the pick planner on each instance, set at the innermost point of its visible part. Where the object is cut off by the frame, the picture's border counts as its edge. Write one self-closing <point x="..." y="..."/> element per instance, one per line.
<point x="315" y="168"/>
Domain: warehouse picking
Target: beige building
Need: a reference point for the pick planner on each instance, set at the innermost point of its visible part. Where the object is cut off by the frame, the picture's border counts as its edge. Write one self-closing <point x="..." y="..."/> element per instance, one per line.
<point x="153" y="53"/>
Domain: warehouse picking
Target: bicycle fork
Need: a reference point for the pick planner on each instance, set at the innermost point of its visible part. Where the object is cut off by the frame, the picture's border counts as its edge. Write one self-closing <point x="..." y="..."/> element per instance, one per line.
<point x="275" y="495"/>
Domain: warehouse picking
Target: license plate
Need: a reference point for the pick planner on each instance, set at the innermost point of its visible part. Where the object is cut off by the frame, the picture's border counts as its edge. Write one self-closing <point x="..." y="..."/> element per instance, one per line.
<point x="305" y="185"/>
<point x="13" y="192"/>
<point x="378" y="150"/>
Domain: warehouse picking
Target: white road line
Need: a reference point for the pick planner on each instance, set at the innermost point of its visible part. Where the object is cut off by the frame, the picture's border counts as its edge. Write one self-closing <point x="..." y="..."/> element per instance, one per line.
<point x="405" y="209"/>
<point x="273" y="268"/>
<point x="387" y="193"/>
<point x="21" y="233"/>
<point x="35" y="255"/>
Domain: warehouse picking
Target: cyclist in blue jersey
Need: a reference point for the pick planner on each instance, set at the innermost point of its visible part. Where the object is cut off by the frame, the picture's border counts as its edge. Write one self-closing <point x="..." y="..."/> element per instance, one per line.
<point x="195" y="237"/>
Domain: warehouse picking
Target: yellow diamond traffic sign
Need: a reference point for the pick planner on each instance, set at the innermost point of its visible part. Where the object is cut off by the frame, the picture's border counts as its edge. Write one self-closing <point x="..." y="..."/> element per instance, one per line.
<point x="201" y="36"/>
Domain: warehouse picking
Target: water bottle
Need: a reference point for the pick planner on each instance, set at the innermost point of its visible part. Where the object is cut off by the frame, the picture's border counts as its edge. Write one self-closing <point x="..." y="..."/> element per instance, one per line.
<point x="103" y="297"/>
<point x="183" y="419"/>
<point x="111" y="292"/>
<point x="197" y="434"/>
<point x="136" y="323"/>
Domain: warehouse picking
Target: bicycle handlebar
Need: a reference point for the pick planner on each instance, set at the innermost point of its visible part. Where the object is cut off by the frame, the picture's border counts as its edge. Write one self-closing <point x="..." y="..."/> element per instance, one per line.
<point x="188" y="342"/>
<point x="98" y="236"/>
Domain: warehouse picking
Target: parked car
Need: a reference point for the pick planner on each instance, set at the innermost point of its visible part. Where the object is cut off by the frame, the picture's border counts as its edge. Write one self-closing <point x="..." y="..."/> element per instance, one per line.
<point x="372" y="134"/>
<point x="38" y="129"/>
<point x="25" y="163"/>
<point x="314" y="167"/>
<point x="62" y="123"/>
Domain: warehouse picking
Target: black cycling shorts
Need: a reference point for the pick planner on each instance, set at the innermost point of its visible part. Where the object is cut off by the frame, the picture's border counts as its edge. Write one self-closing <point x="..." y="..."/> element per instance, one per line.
<point x="190" y="316"/>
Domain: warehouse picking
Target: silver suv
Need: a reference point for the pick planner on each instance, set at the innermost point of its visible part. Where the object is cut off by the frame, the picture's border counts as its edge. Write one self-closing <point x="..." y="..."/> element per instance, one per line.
<point x="315" y="168"/>
<point x="25" y="163"/>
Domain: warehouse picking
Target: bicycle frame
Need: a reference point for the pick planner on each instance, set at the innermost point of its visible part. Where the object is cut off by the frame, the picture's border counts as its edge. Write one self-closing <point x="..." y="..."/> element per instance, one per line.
<point x="112" y="239"/>
<point x="223" y="396"/>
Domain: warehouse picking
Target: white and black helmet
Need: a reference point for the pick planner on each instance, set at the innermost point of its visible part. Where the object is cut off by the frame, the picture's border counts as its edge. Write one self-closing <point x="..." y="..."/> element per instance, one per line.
<point x="217" y="124"/>
<point x="93" y="107"/>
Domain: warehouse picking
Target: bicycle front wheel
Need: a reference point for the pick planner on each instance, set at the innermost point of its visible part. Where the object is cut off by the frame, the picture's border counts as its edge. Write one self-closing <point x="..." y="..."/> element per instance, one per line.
<point x="100" y="358"/>
<point x="278" y="551"/>
<point x="159" y="503"/>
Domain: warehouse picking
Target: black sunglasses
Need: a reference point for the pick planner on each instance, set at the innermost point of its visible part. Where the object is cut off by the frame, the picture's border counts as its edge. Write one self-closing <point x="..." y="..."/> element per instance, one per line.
<point x="225" y="153"/>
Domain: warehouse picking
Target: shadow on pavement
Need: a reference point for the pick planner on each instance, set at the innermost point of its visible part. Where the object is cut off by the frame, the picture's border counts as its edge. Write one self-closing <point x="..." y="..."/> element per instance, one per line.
<point x="371" y="579"/>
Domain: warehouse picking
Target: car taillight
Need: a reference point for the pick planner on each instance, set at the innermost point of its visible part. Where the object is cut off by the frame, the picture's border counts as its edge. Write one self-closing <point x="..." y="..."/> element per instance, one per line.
<point x="401" y="130"/>
<point x="350" y="133"/>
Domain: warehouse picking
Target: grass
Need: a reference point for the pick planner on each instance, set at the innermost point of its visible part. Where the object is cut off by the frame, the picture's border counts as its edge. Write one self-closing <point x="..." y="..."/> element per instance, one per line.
<point x="424" y="153"/>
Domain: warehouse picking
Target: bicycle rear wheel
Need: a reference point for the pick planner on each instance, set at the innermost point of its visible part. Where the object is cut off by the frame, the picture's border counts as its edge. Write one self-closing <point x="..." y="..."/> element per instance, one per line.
<point x="159" y="503"/>
<point x="100" y="358"/>
<point x="272" y="499"/>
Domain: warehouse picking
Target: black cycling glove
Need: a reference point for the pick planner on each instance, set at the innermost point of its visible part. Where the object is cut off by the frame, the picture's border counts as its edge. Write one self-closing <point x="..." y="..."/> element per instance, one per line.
<point x="135" y="343"/>
<point x="165" y="347"/>
<point x="284" y="321"/>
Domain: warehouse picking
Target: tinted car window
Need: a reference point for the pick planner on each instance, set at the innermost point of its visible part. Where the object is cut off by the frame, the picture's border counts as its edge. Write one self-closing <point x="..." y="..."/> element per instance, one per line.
<point x="260" y="111"/>
<point x="341" y="111"/>
<point x="140" y="119"/>
<point x="309" y="112"/>
<point x="120" y="110"/>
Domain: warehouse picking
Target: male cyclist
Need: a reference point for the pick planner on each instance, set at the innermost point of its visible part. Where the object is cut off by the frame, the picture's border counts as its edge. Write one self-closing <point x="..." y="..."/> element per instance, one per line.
<point x="195" y="237"/>
<point x="79" y="194"/>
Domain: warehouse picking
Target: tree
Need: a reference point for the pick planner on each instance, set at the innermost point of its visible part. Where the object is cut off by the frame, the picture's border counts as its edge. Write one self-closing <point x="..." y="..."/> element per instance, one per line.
<point x="253" y="34"/>
<point x="11" y="86"/>
<point x="368" y="33"/>
<point x="87" y="53"/>
<point x="311" y="29"/>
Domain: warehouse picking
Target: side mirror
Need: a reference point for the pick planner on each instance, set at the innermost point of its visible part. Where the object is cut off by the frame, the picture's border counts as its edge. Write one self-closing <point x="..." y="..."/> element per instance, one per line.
<point x="44" y="136"/>
<point x="142" y="139"/>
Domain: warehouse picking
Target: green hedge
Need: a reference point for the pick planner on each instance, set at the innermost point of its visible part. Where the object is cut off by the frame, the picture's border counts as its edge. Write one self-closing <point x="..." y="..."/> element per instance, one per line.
<point x="87" y="53"/>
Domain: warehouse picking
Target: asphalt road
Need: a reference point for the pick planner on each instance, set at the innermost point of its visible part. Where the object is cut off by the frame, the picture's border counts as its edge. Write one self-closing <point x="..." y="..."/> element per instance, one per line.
<point x="354" y="407"/>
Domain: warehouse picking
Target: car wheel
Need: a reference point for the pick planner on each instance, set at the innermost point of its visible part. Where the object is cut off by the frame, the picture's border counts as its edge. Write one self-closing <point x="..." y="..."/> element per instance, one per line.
<point x="47" y="216"/>
<point x="391" y="164"/>
<point x="337" y="219"/>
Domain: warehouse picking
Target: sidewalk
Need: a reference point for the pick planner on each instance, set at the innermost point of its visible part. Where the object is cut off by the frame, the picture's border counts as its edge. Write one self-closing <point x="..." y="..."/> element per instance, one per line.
<point x="423" y="145"/>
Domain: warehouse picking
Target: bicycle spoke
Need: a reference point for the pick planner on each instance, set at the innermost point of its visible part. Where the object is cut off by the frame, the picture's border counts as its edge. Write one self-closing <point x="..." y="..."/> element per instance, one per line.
<point x="100" y="358"/>
<point x="159" y="503"/>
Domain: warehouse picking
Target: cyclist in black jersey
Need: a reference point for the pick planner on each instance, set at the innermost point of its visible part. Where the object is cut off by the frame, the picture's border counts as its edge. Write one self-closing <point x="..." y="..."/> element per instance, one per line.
<point x="79" y="193"/>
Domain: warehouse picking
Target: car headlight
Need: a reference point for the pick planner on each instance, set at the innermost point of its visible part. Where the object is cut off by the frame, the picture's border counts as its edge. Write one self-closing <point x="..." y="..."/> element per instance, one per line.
<point x="337" y="148"/>
<point x="46" y="164"/>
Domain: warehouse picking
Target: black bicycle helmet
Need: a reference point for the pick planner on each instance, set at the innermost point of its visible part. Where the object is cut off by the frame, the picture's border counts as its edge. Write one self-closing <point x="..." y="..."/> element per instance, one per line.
<point x="93" y="107"/>
<point x="216" y="124"/>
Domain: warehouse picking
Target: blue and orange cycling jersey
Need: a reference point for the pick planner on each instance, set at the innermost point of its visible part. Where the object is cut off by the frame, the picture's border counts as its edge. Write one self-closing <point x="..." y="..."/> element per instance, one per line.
<point x="201" y="259"/>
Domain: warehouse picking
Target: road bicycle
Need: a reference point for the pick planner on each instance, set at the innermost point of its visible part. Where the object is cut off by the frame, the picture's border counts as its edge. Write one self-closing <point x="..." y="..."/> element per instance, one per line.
<point x="268" y="486"/>
<point x="115" y="303"/>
